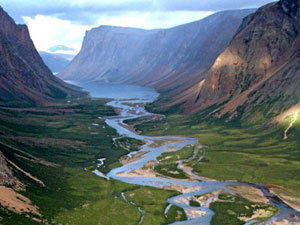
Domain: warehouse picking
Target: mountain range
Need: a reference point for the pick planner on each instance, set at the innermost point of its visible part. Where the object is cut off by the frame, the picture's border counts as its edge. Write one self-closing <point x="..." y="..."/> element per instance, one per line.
<point x="232" y="66"/>
<point x="169" y="60"/>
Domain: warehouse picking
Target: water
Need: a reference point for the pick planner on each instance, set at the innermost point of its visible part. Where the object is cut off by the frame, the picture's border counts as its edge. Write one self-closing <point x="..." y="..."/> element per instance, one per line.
<point x="136" y="96"/>
<point x="117" y="91"/>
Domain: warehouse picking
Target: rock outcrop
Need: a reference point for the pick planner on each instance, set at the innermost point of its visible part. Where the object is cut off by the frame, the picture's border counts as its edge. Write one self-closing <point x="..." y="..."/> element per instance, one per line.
<point x="6" y="174"/>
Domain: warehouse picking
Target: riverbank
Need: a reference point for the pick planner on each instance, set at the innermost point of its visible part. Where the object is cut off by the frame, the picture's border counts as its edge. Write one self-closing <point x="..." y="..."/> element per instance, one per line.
<point x="252" y="154"/>
<point x="147" y="166"/>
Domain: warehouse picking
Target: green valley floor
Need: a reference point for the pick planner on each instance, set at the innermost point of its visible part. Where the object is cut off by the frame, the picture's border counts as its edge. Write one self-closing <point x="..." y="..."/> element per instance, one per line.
<point x="233" y="151"/>
<point x="53" y="151"/>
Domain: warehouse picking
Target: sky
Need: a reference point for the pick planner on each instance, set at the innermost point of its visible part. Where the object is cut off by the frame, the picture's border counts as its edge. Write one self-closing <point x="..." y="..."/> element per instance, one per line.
<point x="64" y="22"/>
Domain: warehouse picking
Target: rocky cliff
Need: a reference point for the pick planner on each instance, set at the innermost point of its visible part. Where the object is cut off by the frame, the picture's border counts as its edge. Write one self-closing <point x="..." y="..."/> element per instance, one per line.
<point x="168" y="60"/>
<point x="258" y="71"/>
<point x="24" y="78"/>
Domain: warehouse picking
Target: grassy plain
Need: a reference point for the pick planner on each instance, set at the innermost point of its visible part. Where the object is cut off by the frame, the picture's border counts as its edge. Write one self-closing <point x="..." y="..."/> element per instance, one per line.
<point x="255" y="153"/>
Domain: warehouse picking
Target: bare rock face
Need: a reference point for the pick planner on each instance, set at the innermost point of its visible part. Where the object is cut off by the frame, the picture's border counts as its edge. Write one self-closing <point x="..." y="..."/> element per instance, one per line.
<point x="24" y="78"/>
<point x="6" y="175"/>
<point x="170" y="60"/>
<point x="290" y="7"/>
<point x="260" y="69"/>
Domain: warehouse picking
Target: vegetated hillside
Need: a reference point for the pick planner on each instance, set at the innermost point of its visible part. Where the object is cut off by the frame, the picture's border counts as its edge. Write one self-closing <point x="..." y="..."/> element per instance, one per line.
<point x="55" y="62"/>
<point x="258" y="74"/>
<point x="166" y="59"/>
<point x="24" y="78"/>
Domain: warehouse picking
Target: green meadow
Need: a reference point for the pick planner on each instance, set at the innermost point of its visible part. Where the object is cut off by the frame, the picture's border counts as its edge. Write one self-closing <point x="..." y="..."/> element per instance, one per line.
<point x="245" y="152"/>
<point x="231" y="209"/>
<point x="73" y="137"/>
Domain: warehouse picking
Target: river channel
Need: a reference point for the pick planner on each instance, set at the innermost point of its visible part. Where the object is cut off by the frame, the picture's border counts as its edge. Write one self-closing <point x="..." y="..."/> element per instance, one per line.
<point x="130" y="101"/>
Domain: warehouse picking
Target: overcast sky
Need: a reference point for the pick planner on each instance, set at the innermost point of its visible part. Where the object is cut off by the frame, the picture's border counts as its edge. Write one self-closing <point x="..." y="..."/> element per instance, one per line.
<point x="64" y="22"/>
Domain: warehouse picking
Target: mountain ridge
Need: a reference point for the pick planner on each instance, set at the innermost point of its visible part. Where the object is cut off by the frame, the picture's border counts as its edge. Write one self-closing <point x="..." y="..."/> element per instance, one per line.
<point x="258" y="69"/>
<point x="154" y="58"/>
<point x="24" y="78"/>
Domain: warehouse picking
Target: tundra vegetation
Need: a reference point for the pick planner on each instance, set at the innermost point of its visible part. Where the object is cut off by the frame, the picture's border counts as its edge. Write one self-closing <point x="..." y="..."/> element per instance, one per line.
<point x="71" y="135"/>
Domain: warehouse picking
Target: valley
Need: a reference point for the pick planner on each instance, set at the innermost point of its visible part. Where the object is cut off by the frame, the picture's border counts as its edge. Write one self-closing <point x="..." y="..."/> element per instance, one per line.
<point x="76" y="200"/>
<point x="196" y="123"/>
<point x="146" y="169"/>
<point x="71" y="193"/>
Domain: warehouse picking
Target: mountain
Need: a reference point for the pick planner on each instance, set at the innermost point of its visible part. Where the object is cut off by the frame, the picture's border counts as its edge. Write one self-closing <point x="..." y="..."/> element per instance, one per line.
<point x="67" y="56"/>
<point x="24" y="78"/>
<point x="258" y="74"/>
<point x="55" y="62"/>
<point x="166" y="59"/>
<point x="57" y="48"/>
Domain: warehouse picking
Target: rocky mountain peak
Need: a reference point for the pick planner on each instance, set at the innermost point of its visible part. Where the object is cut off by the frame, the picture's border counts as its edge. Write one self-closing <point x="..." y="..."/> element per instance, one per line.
<point x="5" y="19"/>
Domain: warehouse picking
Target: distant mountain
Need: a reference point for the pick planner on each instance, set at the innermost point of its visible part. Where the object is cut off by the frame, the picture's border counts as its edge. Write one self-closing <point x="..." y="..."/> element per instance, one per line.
<point x="170" y="60"/>
<point x="67" y="56"/>
<point x="60" y="48"/>
<point x="24" y="78"/>
<point x="258" y="74"/>
<point x="55" y="62"/>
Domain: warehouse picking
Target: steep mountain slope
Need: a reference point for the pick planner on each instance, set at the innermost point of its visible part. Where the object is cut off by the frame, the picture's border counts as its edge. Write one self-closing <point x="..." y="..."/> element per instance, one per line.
<point x="259" y="72"/>
<point x="6" y="175"/>
<point x="24" y="78"/>
<point x="55" y="62"/>
<point x="172" y="59"/>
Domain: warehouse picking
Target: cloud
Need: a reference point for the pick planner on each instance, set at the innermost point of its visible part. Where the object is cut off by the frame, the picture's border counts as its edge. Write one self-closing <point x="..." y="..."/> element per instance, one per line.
<point x="207" y="5"/>
<point x="78" y="11"/>
<point x="48" y="31"/>
<point x="88" y="11"/>
<point x="152" y="20"/>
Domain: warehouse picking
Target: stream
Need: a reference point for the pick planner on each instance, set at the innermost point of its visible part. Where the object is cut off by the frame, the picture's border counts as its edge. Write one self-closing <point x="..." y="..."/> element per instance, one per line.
<point x="130" y="101"/>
